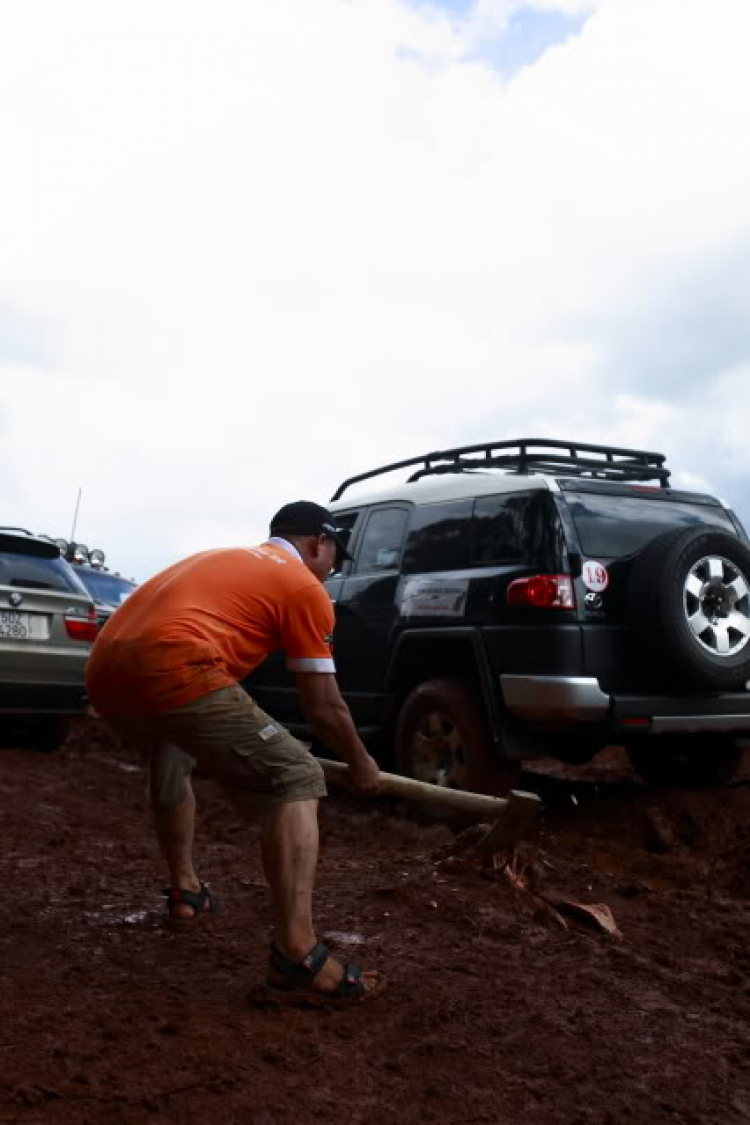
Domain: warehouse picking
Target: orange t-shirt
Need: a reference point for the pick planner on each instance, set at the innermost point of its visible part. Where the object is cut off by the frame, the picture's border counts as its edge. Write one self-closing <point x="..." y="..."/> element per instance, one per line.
<point x="206" y="622"/>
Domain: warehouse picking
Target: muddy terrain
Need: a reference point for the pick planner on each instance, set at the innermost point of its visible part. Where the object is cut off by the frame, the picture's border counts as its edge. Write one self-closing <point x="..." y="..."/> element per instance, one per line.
<point x="500" y="1007"/>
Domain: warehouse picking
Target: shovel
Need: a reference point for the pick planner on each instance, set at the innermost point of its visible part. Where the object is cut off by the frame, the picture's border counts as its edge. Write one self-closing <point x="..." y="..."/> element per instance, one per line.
<point x="513" y="816"/>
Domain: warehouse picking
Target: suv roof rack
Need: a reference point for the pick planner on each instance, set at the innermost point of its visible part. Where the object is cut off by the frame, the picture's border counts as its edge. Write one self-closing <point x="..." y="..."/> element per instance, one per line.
<point x="525" y="455"/>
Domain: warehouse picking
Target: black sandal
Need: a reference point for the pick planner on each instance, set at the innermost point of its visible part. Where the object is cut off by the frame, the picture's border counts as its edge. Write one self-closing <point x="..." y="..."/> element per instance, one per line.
<point x="203" y="903"/>
<point x="291" y="982"/>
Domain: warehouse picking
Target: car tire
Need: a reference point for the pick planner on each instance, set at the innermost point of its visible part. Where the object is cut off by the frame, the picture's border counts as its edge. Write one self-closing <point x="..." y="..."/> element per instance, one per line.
<point x="442" y="738"/>
<point x="689" y="600"/>
<point x="687" y="762"/>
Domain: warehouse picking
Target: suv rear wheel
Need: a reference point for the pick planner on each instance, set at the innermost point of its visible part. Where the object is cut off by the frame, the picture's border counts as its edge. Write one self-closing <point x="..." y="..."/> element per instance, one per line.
<point x="688" y="762"/>
<point x="441" y="738"/>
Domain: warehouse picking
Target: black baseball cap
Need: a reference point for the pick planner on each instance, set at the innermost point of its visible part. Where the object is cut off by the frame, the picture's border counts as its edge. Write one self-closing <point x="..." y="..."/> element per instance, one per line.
<point x="303" y="517"/>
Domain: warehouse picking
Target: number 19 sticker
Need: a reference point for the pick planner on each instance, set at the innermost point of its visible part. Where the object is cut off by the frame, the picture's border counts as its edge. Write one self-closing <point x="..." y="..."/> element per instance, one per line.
<point x="595" y="576"/>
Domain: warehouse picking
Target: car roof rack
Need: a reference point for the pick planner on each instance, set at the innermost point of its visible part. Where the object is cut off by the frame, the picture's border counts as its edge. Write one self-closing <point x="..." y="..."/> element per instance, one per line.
<point x="538" y="455"/>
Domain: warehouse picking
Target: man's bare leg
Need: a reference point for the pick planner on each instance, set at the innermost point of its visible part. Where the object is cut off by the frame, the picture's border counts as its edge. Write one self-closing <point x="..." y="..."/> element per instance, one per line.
<point x="289" y="843"/>
<point x="289" y="846"/>
<point x="175" y="829"/>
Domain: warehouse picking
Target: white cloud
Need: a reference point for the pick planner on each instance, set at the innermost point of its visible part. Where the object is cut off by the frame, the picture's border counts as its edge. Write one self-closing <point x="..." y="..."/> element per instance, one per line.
<point x="258" y="248"/>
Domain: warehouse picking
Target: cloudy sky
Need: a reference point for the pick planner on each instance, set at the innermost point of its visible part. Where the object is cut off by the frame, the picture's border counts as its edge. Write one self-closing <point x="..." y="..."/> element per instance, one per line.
<point x="249" y="248"/>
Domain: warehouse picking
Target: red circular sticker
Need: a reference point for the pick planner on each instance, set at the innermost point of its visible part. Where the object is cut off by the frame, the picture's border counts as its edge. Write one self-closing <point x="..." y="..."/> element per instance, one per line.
<point x="595" y="576"/>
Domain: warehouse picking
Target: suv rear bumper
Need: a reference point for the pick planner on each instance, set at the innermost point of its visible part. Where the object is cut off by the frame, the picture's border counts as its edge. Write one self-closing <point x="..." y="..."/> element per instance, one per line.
<point x="561" y="701"/>
<point x="555" y="699"/>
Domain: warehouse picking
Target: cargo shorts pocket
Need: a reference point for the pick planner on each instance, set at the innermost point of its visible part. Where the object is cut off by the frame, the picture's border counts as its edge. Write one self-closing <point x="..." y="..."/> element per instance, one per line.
<point x="281" y="766"/>
<point x="278" y="765"/>
<point x="268" y="735"/>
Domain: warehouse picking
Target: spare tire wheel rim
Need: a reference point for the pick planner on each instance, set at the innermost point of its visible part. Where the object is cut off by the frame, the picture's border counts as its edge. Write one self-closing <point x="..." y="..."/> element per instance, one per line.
<point x="437" y="751"/>
<point x="717" y="605"/>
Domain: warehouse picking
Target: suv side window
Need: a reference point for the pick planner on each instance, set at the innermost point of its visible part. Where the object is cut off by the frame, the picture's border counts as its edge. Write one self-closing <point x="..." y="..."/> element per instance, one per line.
<point x="521" y="527"/>
<point x="439" y="537"/>
<point x="380" y="547"/>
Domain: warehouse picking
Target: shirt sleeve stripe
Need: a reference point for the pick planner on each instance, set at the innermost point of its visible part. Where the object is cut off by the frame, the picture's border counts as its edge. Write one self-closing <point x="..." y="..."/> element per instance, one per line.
<point x="310" y="664"/>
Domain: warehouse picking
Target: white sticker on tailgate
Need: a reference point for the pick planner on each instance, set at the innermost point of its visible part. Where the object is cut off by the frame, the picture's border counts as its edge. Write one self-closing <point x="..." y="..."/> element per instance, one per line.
<point x="423" y="597"/>
<point x="595" y="576"/>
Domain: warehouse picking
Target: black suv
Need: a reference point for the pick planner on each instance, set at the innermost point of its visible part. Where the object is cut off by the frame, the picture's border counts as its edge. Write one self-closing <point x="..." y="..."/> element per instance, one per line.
<point x="528" y="598"/>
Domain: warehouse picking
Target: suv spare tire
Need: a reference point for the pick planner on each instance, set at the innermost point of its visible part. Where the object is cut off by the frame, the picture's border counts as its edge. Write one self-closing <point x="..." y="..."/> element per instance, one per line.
<point x="689" y="600"/>
<point x="442" y="738"/>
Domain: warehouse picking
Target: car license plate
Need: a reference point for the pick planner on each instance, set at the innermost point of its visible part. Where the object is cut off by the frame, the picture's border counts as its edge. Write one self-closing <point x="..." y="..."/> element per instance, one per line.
<point x="15" y="625"/>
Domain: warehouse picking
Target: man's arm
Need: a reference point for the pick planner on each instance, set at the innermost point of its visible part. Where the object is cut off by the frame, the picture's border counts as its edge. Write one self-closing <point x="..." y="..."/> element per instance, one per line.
<point x="331" y="721"/>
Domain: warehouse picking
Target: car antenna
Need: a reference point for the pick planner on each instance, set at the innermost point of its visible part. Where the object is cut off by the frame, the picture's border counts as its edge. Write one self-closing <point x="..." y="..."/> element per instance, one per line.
<point x="75" y="516"/>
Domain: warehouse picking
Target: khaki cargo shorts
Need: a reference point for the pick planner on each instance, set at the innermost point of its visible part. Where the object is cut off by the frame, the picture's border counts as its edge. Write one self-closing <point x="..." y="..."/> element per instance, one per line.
<point x="229" y="738"/>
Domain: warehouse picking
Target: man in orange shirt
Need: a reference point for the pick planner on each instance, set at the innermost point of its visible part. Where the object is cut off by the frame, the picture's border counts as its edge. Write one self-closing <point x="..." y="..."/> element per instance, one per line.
<point x="163" y="672"/>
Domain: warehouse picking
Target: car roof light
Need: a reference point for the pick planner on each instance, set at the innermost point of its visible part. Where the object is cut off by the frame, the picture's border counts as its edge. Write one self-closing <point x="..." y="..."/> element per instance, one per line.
<point x="80" y="552"/>
<point x="97" y="557"/>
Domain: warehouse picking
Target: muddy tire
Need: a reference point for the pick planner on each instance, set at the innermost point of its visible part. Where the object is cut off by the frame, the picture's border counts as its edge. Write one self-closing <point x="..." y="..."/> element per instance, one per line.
<point x="689" y="601"/>
<point x="442" y="738"/>
<point x="667" y="761"/>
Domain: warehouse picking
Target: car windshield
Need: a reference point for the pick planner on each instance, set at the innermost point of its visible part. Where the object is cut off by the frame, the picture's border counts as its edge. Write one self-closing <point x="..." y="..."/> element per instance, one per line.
<point x="30" y="572"/>
<point x="614" y="526"/>
<point x="105" y="588"/>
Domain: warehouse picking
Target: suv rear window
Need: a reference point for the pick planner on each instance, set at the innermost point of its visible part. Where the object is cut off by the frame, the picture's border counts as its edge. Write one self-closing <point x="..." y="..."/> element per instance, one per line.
<point x="616" y="526"/>
<point x="30" y="573"/>
<point x="106" y="588"/>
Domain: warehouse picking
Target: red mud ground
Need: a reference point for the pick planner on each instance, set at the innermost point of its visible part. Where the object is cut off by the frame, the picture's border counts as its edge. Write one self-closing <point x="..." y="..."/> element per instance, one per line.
<point x="493" y="1013"/>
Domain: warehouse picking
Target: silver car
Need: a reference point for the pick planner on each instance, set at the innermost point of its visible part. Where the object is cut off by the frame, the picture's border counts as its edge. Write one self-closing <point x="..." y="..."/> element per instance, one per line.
<point x="47" y="626"/>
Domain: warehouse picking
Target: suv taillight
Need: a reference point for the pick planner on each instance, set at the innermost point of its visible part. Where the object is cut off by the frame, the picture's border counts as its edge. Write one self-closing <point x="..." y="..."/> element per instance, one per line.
<point x="82" y="628"/>
<point x="543" y="591"/>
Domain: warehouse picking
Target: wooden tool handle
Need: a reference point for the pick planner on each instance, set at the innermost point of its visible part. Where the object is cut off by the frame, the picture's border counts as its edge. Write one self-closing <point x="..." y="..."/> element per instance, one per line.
<point x="407" y="789"/>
